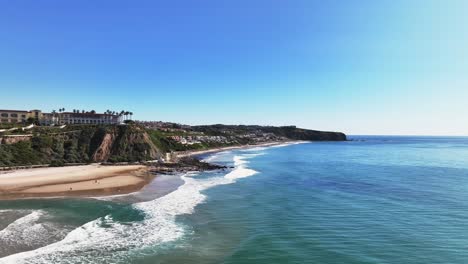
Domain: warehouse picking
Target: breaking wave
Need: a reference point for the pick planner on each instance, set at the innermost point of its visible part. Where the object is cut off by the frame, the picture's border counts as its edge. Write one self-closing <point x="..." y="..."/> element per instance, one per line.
<point x="29" y="231"/>
<point x="23" y="229"/>
<point x="107" y="240"/>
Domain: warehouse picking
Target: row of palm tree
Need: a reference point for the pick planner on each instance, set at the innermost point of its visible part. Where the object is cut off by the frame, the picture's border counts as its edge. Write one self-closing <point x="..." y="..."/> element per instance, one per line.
<point x="60" y="111"/>
<point x="123" y="113"/>
<point x="77" y="111"/>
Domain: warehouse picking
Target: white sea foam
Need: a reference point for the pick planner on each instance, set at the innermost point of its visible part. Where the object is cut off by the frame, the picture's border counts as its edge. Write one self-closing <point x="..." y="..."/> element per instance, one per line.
<point x="216" y="155"/>
<point x="94" y="241"/>
<point x="241" y="171"/>
<point x="21" y="227"/>
<point x="5" y="211"/>
<point x="27" y="230"/>
<point x="239" y="161"/>
<point x="289" y="144"/>
<point x="254" y="149"/>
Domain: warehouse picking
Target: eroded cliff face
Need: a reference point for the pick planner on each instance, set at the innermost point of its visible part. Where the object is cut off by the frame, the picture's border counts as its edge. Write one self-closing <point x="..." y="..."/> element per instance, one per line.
<point x="103" y="152"/>
<point x="13" y="139"/>
<point x="126" y="144"/>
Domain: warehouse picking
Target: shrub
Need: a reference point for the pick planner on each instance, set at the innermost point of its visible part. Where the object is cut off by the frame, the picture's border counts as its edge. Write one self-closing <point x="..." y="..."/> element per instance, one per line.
<point x="56" y="163"/>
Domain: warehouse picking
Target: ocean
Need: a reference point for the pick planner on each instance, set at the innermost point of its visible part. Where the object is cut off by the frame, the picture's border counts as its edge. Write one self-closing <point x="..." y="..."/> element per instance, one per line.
<point x="374" y="199"/>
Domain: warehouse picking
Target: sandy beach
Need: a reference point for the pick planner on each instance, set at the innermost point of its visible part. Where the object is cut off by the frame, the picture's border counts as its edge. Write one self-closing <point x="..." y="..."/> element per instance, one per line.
<point x="88" y="180"/>
<point x="73" y="181"/>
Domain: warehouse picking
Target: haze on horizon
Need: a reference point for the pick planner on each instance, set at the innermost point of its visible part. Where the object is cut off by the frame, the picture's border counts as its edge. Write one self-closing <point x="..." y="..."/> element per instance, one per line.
<point x="360" y="67"/>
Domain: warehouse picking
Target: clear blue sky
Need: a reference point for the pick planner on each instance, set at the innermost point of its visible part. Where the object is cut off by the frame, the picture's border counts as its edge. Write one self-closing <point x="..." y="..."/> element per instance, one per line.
<point x="361" y="67"/>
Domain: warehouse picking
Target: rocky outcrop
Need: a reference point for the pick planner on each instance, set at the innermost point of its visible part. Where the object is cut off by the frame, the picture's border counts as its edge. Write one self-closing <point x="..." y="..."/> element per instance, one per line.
<point x="14" y="139"/>
<point x="103" y="152"/>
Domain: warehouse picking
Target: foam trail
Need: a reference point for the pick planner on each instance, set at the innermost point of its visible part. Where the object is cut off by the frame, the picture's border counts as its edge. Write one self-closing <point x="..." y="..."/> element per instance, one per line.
<point x="104" y="239"/>
<point x="28" y="230"/>
<point x="241" y="171"/>
<point x="22" y="228"/>
<point x="289" y="144"/>
<point x="215" y="156"/>
<point x="254" y="149"/>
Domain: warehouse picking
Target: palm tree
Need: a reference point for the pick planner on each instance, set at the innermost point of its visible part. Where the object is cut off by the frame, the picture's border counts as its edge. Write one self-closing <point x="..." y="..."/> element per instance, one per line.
<point x="131" y="114"/>
<point x="60" y="111"/>
<point x="53" y="115"/>
<point x="121" y="114"/>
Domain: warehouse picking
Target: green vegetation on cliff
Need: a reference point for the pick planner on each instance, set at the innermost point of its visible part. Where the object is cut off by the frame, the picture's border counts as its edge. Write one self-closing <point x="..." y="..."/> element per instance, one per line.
<point x="130" y="143"/>
<point x="80" y="144"/>
<point x="287" y="132"/>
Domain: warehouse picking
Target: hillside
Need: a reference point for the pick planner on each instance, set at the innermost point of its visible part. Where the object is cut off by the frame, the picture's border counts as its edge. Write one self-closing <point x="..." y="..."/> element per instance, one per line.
<point x="135" y="142"/>
<point x="286" y="132"/>
<point x="78" y="144"/>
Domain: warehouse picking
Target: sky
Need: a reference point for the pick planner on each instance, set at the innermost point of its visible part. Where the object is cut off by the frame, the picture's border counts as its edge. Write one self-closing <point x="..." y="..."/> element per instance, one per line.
<point x="360" y="67"/>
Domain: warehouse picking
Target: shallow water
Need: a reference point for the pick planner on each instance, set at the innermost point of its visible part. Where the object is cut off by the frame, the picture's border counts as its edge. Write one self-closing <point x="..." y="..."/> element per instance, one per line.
<point x="376" y="200"/>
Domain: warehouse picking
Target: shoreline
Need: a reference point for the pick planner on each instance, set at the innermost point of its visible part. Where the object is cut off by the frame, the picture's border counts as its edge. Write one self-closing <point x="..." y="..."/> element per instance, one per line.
<point x="221" y="149"/>
<point x="91" y="180"/>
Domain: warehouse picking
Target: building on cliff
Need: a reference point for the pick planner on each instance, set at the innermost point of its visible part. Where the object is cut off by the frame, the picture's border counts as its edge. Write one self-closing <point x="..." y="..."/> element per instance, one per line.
<point x="13" y="116"/>
<point x="60" y="118"/>
<point x="88" y="118"/>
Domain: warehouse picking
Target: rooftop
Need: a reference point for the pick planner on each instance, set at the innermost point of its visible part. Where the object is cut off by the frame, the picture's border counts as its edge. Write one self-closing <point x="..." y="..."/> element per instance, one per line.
<point x="88" y="114"/>
<point x="1" y="110"/>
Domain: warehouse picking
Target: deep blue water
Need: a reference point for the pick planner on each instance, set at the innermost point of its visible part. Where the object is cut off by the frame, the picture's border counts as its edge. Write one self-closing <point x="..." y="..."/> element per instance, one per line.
<point x="371" y="200"/>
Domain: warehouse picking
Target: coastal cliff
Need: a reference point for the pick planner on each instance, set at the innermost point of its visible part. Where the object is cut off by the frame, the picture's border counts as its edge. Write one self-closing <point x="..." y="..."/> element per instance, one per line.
<point x="125" y="143"/>
<point x="83" y="144"/>
<point x="285" y="132"/>
<point x="78" y="144"/>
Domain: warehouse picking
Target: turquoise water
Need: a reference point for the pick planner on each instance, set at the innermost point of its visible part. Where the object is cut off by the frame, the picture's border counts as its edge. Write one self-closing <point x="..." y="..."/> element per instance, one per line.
<point x="372" y="200"/>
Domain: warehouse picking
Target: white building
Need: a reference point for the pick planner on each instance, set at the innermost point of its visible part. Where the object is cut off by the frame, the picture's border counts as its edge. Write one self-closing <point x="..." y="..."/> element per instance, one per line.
<point x="88" y="118"/>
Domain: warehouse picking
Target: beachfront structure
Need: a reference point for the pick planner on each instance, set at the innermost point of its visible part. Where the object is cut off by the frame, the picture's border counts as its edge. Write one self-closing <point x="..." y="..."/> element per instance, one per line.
<point x="60" y="118"/>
